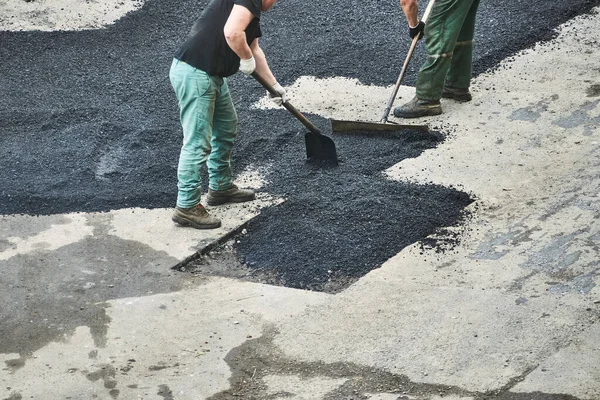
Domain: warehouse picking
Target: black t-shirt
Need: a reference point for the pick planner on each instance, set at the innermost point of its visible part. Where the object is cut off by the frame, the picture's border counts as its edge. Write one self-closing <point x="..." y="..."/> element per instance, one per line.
<point x="207" y="49"/>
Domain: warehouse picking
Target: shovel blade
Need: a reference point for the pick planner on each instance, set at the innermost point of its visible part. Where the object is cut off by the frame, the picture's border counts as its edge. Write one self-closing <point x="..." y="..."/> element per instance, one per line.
<point x="320" y="148"/>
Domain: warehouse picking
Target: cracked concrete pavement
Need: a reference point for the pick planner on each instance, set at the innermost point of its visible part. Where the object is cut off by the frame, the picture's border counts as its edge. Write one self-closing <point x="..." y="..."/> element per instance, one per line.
<point x="91" y="309"/>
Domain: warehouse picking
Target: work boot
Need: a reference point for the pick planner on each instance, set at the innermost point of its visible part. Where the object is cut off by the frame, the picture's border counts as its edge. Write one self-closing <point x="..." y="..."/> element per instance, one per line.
<point x="196" y="217"/>
<point x="418" y="108"/>
<point x="231" y="195"/>
<point x="458" y="94"/>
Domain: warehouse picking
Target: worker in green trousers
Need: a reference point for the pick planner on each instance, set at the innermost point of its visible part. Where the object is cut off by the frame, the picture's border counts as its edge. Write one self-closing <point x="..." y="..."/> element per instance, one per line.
<point x="448" y="39"/>
<point x="222" y="41"/>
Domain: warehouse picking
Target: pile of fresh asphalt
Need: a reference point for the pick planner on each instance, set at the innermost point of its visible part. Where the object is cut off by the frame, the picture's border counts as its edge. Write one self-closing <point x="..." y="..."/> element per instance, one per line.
<point x="338" y="223"/>
<point x="88" y="122"/>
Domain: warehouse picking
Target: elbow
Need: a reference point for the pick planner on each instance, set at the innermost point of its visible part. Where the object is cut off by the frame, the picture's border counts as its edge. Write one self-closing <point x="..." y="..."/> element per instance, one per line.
<point x="231" y="35"/>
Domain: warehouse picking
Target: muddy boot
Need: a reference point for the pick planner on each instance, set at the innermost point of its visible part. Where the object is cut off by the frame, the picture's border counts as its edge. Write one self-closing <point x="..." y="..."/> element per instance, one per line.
<point x="418" y="108"/>
<point x="458" y="94"/>
<point x="231" y="195"/>
<point x="196" y="217"/>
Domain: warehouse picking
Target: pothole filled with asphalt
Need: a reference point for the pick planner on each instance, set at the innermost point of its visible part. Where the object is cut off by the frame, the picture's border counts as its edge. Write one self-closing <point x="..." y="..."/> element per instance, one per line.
<point x="336" y="224"/>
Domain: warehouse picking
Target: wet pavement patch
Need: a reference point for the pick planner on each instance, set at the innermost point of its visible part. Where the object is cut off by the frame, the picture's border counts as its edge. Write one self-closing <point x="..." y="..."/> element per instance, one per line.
<point x="253" y="362"/>
<point x="337" y="224"/>
<point x="45" y="297"/>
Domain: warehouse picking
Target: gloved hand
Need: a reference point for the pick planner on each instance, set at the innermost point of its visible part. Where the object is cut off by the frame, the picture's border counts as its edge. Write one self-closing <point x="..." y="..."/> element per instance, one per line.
<point x="248" y="66"/>
<point x="417" y="30"/>
<point x="282" y="98"/>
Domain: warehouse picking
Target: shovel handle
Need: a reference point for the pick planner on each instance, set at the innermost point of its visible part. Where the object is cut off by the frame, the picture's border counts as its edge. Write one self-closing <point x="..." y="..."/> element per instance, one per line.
<point x="287" y="105"/>
<point x="388" y="106"/>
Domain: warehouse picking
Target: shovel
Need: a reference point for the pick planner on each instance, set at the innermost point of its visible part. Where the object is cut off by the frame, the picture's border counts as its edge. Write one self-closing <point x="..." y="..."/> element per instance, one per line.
<point x="383" y="125"/>
<point x="318" y="146"/>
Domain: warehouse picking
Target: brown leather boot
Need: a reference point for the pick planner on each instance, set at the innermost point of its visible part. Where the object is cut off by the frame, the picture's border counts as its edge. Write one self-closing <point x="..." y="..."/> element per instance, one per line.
<point x="418" y="108"/>
<point x="196" y="217"/>
<point x="231" y="195"/>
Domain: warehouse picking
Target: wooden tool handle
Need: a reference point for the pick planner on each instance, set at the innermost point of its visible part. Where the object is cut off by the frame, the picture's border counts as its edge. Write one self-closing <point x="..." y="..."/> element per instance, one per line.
<point x="287" y="105"/>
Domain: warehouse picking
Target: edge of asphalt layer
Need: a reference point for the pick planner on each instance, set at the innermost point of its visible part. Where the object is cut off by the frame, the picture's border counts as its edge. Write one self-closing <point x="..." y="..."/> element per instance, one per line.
<point x="210" y="246"/>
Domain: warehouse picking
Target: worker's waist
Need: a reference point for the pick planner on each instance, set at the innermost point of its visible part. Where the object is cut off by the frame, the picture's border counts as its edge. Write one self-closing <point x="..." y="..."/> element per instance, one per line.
<point x="215" y="78"/>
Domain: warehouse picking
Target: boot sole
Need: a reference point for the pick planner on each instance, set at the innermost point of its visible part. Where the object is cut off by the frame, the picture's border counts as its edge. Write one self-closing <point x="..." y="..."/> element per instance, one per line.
<point x="459" y="98"/>
<point x="425" y="113"/>
<point x="218" y="202"/>
<point x="186" y="222"/>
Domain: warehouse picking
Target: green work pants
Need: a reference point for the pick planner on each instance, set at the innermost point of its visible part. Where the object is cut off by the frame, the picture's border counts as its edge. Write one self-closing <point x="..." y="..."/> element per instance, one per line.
<point x="449" y="43"/>
<point x="209" y="124"/>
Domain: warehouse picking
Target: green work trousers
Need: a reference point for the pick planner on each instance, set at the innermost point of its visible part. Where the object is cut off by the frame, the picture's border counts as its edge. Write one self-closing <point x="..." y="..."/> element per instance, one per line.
<point x="209" y="124"/>
<point x="448" y="39"/>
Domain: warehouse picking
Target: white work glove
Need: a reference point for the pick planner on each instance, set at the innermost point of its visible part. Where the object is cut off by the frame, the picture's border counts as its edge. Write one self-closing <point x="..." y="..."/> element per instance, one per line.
<point x="279" y="100"/>
<point x="248" y="66"/>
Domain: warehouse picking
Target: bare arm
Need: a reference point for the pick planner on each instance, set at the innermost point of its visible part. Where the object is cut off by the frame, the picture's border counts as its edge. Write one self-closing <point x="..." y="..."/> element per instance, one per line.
<point x="262" y="68"/>
<point x="234" y="28"/>
<point x="411" y="10"/>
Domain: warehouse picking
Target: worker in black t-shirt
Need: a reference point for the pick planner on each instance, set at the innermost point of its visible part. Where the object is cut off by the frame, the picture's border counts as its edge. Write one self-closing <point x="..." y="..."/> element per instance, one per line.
<point x="222" y="41"/>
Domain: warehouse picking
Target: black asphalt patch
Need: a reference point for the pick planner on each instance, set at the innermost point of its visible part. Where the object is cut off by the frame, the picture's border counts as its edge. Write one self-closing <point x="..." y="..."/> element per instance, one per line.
<point x="338" y="223"/>
<point x="89" y="122"/>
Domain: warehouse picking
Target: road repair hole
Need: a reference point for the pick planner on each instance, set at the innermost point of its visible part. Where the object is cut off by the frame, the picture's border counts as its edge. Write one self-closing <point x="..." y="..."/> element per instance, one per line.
<point x="336" y="224"/>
